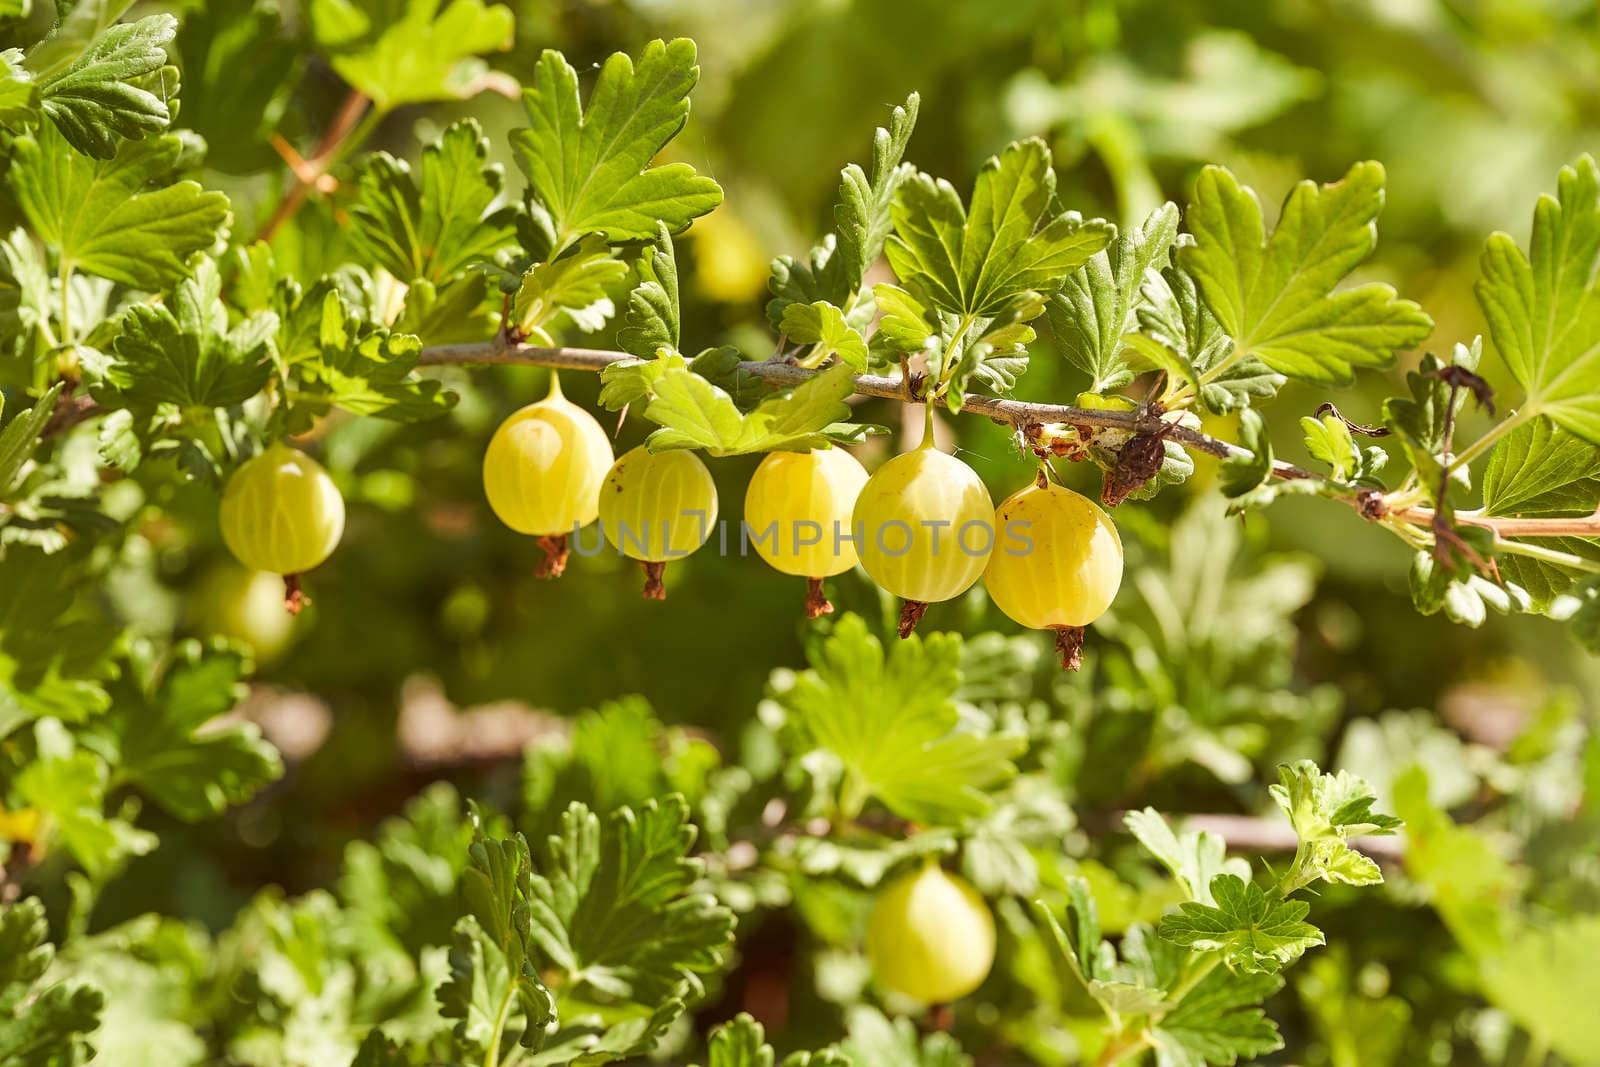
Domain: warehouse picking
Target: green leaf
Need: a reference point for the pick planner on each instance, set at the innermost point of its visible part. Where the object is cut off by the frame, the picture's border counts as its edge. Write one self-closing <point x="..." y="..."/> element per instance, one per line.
<point x="614" y="908"/>
<point x="1327" y="810"/>
<point x="1081" y="958"/>
<point x="904" y="322"/>
<point x="862" y="211"/>
<point x="590" y="170"/>
<point x="1547" y="981"/>
<point x="482" y="988"/>
<point x="18" y="95"/>
<point x="1541" y="469"/>
<point x="164" y="747"/>
<point x="835" y="269"/>
<point x="40" y="1025"/>
<point x="892" y="725"/>
<point x="25" y="303"/>
<point x="739" y="1042"/>
<point x="1543" y="307"/>
<point x="68" y="786"/>
<point x="1330" y="440"/>
<point x="378" y="1051"/>
<point x="78" y="25"/>
<point x="1092" y="312"/>
<point x="1241" y="475"/>
<point x="183" y="352"/>
<point x="823" y="325"/>
<point x="1274" y="295"/>
<point x="972" y="263"/>
<point x="1179" y="334"/>
<point x="106" y="95"/>
<point x="240" y="64"/>
<point x="1194" y="857"/>
<point x="122" y="218"/>
<point x="50" y="663"/>
<point x="1360" y="1028"/>
<point x="652" y="314"/>
<point x="21" y="435"/>
<point x="1255" y="934"/>
<point x="439" y="225"/>
<point x="1419" y="421"/>
<point x="569" y="291"/>
<point x="411" y="51"/>
<point x="994" y="352"/>
<point x="1220" y="1021"/>
<point x="491" y="964"/>
<point x="366" y="369"/>
<point x="618" y="754"/>
<point x="875" y="1041"/>
<point x="694" y="413"/>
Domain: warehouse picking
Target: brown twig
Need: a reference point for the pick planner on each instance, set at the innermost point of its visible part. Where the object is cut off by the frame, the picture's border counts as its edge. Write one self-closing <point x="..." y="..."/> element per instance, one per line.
<point x="309" y="173"/>
<point x="1508" y="526"/>
<point x="1018" y="413"/>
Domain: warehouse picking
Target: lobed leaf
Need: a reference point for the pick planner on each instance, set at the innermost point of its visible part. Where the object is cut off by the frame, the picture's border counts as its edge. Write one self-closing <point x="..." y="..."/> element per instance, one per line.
<point x="973" y="262"/>
<point x="445" y="222"/>
<point x="105" y="95"/>
<point x="1543" y="306"/>
<point x="1255" y="934"/>
<point x="1274" y="294"/>
<point x="890" y="721"/>
<point x="1090" y="315"/>
<point x="590" y="169"/>
<point x="411" y="51"/>
<point x="124" y="218"/>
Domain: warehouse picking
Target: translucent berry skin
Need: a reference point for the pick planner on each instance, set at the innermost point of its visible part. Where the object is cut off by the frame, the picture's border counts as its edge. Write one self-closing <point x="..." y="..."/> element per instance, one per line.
<point x="644" y="490"/>
<point x="1070" y="572"/>
<point x="544" y="465"/>
<point x="924" y="486"/>
<point x="790" y="490"/>
<point x="247" y="606"/>
<point x="931" y="936"/>
<point x="281" y="512"/>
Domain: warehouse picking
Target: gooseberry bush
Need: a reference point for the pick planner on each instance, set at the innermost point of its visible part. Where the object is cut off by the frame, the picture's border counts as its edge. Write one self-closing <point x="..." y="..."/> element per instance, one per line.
<point x="917" y="848"/>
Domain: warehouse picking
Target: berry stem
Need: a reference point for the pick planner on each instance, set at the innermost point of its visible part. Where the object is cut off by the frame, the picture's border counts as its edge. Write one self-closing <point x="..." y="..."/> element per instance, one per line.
<point x="911" y="614"/>
<point x="294" y="597"/>
<point x="654" y="587"/>
<point x="817" y="602"/>
<point x="1069" y="646"/>
<point x="554" y="563"/>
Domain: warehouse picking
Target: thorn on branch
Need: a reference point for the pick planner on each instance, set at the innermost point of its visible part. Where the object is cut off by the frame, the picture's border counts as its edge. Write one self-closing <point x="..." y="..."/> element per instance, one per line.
<point x="1354" y="427"/>
<point x="914" y="381"/>
<point x="1371" y="505"/>
<point x="1461" y="378"/>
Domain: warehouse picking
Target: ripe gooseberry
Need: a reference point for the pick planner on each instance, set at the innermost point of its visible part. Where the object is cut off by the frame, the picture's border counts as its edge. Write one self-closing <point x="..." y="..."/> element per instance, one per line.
<point x="542" y="473"/>
<point x="247" y="606"/>
<point x="922" y="522"/>
<point x="656" y="506"/>
<point x="1062" y="568"/>
<point x="930" y="936"/>
<point x="798" y="508"/>
<point x="282" y="513"/>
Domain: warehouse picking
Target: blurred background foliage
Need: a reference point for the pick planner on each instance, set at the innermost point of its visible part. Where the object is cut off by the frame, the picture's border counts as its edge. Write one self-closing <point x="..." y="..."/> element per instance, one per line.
<point x="431" y="651"/>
